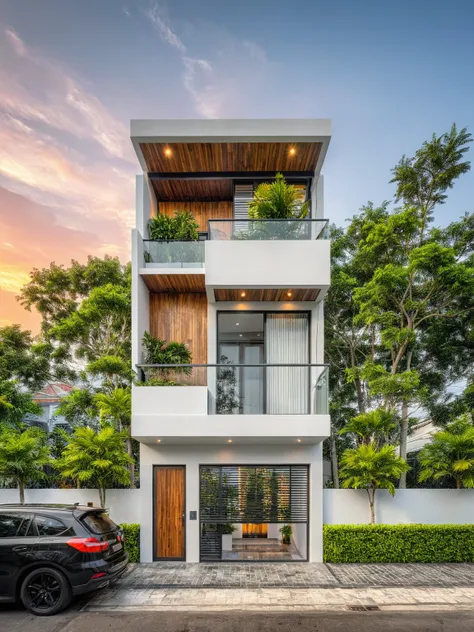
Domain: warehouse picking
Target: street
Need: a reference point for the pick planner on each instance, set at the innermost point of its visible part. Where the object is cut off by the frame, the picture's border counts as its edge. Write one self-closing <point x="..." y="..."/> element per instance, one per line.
<point x="16" y="620"/>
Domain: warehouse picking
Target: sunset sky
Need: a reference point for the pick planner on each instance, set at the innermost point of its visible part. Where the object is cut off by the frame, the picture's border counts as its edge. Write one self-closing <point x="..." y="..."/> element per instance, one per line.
<point x="72" y="74"/>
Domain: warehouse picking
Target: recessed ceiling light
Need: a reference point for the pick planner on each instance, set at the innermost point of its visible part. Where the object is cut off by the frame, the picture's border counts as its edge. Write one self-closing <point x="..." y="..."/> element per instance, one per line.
<point x="237" y="324"/>
<point x="298" y="440"/>
<point x="158" y="441"/>
<point x="292" y="151"/>
<point x="229" y="440"/>
<point x="168" y="152"/>
<point x="241" y="335"/>
<point x="289" y="294"/>
<point x="242" y="294"/>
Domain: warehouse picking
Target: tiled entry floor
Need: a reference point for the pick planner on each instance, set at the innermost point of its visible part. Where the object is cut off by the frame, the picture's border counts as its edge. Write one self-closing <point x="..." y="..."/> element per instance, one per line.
<point x="293" y="575"/>
<point x="262" y="549"/>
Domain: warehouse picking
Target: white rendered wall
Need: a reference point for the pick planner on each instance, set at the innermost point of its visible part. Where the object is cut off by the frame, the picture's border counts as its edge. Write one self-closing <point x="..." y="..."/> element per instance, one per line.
<point x="193" y="456"/>
<point x="123" y="505"/>
<point x="429" y="506"/>
<point x="268" y="264"/>
<point x="145" y="204"/>
<point x="140" y="300"/>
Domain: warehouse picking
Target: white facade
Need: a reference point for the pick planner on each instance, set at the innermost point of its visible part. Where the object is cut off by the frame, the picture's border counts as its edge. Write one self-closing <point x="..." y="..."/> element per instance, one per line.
<point x="178" y="425"/>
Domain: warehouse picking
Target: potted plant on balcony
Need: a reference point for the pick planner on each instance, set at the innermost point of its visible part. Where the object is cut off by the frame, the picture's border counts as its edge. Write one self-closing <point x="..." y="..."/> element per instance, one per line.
<point x="158" y="351"/>
<point x="177" y="236"/>
<point x="227" y="531"/>
<point x="286" y="533"/>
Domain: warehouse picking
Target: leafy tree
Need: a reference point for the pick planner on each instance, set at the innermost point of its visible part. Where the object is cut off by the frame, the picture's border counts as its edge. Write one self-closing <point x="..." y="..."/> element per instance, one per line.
<point x="15" y="404"/>
<point x="23" y="455"/>
<point x="97" y="458"/>
<point x="22" y="359"/>
<point x="450" y="454"/>
<point x="79" y="408"/>
<point x="369" y="468"/>
<point x="158" y="351"/>
<point x="116" y="408"/>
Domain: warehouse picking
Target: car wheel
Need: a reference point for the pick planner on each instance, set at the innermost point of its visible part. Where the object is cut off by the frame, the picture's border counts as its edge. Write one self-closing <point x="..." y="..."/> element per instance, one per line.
<point x="45" y="591"/>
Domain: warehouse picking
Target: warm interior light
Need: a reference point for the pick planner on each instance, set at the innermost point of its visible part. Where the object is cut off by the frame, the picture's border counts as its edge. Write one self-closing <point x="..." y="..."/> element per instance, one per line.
<point x="241" y="335"/>
<point x="289" y="294"/>
<point x="237" y="324"/>
<point x="168" y="152"/>
<point x="242" y="294"/>
<point x="158" y="441"/>
<point x="298" y="440"/>
<point x="229" y="440"/>
<point x="292" y="151"/>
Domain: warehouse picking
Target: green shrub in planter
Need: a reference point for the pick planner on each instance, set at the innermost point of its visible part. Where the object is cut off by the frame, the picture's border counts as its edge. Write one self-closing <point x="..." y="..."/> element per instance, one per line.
<point x="132" y="541"/>
<point x="410" y="543"/>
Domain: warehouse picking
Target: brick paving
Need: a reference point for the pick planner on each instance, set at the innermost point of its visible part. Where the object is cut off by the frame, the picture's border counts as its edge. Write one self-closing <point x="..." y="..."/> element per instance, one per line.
<point x="294" y="575"/>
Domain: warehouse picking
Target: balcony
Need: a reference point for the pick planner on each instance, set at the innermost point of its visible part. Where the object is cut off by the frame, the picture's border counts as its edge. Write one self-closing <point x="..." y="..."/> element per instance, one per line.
<point x="268" y="260"/>
<point x="232" y="402"/>
<point x="173" y="266"/>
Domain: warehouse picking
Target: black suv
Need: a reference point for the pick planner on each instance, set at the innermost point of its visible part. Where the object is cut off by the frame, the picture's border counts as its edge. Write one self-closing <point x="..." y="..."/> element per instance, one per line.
<point x="49" y="553"/>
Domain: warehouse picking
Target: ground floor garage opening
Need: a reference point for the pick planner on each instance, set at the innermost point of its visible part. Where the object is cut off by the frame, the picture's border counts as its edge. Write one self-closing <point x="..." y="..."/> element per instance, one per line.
<point x="254" y="513"/>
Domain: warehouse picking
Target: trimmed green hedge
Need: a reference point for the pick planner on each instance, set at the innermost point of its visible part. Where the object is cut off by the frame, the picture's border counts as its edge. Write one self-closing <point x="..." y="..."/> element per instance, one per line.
<point x="385" y="543"/>
<point x="132" y="541"/>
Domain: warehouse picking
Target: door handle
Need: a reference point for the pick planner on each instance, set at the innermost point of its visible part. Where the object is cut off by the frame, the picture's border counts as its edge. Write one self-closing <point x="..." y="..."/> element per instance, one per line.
<point x="18" y="549"/>
<point x="183" y="518"/>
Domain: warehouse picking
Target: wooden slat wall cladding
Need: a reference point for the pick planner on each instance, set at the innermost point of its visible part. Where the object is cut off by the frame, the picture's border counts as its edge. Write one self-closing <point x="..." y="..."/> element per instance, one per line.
<point x="191" y="190"/>
<point x="202" y="211"/>
<point x="254" y="530"/>
<point x="192" y="157"/>
<point x="301" y="294"/>
<point x="169" y="508"/>
<point x="175" y="283"/>
<point x="183" y="318"/>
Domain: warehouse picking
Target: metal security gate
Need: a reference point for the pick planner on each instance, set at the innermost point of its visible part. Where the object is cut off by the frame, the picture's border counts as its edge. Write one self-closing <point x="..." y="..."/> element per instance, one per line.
<point x="242" y="494"/>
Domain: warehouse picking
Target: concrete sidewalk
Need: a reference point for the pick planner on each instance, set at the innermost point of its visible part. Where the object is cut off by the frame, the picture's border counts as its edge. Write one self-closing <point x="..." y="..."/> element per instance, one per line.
<point x="289" y="587"/>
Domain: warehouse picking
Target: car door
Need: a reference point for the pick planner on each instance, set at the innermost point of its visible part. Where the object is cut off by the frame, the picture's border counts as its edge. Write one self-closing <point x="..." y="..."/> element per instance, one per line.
<point x="16" y="549"/>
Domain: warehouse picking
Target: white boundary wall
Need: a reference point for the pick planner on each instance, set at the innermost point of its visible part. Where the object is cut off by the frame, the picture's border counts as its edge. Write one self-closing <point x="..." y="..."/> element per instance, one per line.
<point x="340" y="506"/>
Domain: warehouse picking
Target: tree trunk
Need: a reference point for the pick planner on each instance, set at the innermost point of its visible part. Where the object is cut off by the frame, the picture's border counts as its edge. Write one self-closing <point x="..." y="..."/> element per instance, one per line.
<point x="458" y="483"/>
<point x="131" y="465"/>
<point x="358" y="385"/>
<point x="21" y="487"/>
<point x="334" y="465"/>
<point x="372" y="505"/>
<point x="102" y="497"/>
<point x="403" y="442"/>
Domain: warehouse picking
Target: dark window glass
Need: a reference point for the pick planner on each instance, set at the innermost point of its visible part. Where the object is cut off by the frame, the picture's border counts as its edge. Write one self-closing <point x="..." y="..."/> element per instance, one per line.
<point x="99" y="522"/>
<point x="23" y="530"/>
<point x="51" y="527"/>
<point x="9" y="524"/>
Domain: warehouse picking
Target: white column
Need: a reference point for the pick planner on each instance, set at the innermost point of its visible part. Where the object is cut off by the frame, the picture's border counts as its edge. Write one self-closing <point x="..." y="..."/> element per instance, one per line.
<point x="316" y="505"/>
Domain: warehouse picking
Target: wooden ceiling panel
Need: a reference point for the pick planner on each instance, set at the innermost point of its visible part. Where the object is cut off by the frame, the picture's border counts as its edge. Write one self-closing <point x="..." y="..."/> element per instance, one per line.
<point x="175" y="282"/>
<point x="208" y="157"/>
<point x="193" y="190"/>
<point x="258" y="295"/>
<point x="202" y="211"/>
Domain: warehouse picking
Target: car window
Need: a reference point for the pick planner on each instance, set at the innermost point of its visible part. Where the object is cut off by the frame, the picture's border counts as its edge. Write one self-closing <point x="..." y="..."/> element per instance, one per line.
<point x="99" y="522"/>
<point x="23" y="530"/>
<point x="9" y="524"/>
<point x="45" y="525"/>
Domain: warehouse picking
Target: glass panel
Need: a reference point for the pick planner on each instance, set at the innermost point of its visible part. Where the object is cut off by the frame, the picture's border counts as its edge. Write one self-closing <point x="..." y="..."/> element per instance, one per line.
<point x="9" y="524"/>
<point x="321" y="405"/>
<point x="99" y="522"/>
<point x="267" y="229"/>
<point x="252" y="380"/>
<point x="183" y="254"/>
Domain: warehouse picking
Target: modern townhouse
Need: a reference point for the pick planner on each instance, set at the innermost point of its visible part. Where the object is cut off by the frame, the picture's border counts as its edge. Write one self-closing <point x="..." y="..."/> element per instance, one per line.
<point x="231" y="442"/>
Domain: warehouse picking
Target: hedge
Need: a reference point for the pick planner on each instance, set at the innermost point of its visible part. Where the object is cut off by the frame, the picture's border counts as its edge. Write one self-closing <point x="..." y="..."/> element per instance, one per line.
<point x="132" y="541"/>
<point x="398" y="543"/>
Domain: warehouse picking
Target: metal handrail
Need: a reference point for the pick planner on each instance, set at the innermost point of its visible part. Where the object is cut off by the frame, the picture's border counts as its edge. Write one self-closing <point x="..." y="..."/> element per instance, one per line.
<point x="164" y="366"/>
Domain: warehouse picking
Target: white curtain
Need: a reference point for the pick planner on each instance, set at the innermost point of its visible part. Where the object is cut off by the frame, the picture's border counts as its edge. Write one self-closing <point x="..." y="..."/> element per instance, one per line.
<point x="286" y="342"/>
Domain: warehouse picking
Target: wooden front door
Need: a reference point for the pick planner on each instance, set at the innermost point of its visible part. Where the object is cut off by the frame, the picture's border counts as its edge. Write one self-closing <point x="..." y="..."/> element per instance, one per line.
<point x="170" y="513"/>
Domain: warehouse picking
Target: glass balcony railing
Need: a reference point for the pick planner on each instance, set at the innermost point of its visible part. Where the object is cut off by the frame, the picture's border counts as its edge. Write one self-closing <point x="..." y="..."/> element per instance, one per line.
<point x="174" y="254"/>
<point x="249" y="389"/>
<point x="267" y="229"/>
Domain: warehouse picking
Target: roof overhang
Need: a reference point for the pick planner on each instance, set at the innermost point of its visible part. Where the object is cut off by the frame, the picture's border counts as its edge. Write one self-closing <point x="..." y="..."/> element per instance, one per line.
<point x="231" y="146"/>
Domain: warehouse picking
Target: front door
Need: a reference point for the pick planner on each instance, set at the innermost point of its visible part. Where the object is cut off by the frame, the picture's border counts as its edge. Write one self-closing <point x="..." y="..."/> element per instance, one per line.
<point x="170" y="513"/>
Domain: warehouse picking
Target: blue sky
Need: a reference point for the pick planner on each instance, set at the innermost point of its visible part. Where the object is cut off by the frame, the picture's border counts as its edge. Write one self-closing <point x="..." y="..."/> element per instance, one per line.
<point x="72" y="74"/>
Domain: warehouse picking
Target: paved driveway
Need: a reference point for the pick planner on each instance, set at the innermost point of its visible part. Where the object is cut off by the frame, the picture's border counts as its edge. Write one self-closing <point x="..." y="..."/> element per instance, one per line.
<point x="295" y="575"/>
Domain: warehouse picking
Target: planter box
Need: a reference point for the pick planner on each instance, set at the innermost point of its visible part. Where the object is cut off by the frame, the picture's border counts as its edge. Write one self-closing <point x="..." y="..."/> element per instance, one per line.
<point x="227" y="541"/>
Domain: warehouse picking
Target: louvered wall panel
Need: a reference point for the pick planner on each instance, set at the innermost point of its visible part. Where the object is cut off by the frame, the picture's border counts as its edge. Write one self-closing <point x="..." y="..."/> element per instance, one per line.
<point x="254" y="494"/>
<point x="243" y="194"/>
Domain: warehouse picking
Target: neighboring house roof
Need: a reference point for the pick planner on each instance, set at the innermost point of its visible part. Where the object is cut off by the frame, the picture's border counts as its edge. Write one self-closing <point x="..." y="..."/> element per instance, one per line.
<point x="421" y="434"/>
<point x="52" y="393"/>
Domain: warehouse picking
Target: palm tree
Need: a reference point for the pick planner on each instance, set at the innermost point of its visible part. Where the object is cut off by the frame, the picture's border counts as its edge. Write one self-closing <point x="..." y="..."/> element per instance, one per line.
<point x="369" y="468"/>
<point x="374" y="426"/>
<point x="23" y="456"/>
<point x="450" y="455"/>
<point x="96" y="457"/>
<point x="116" y="407"/>
<point x="277" y="200"/>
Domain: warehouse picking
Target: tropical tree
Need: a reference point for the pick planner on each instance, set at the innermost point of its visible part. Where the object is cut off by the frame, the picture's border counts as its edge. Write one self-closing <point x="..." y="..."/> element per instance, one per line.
<point x="372" y="427"/>
<point x="369" y="468"/>
<point x="97" y="458"/>
<point x="450" y="454"/>
<point x="23" y="456"/>
<point x="116" y="408"/>
<point x="158" y="351"/>
<point x="277" y="200"/>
